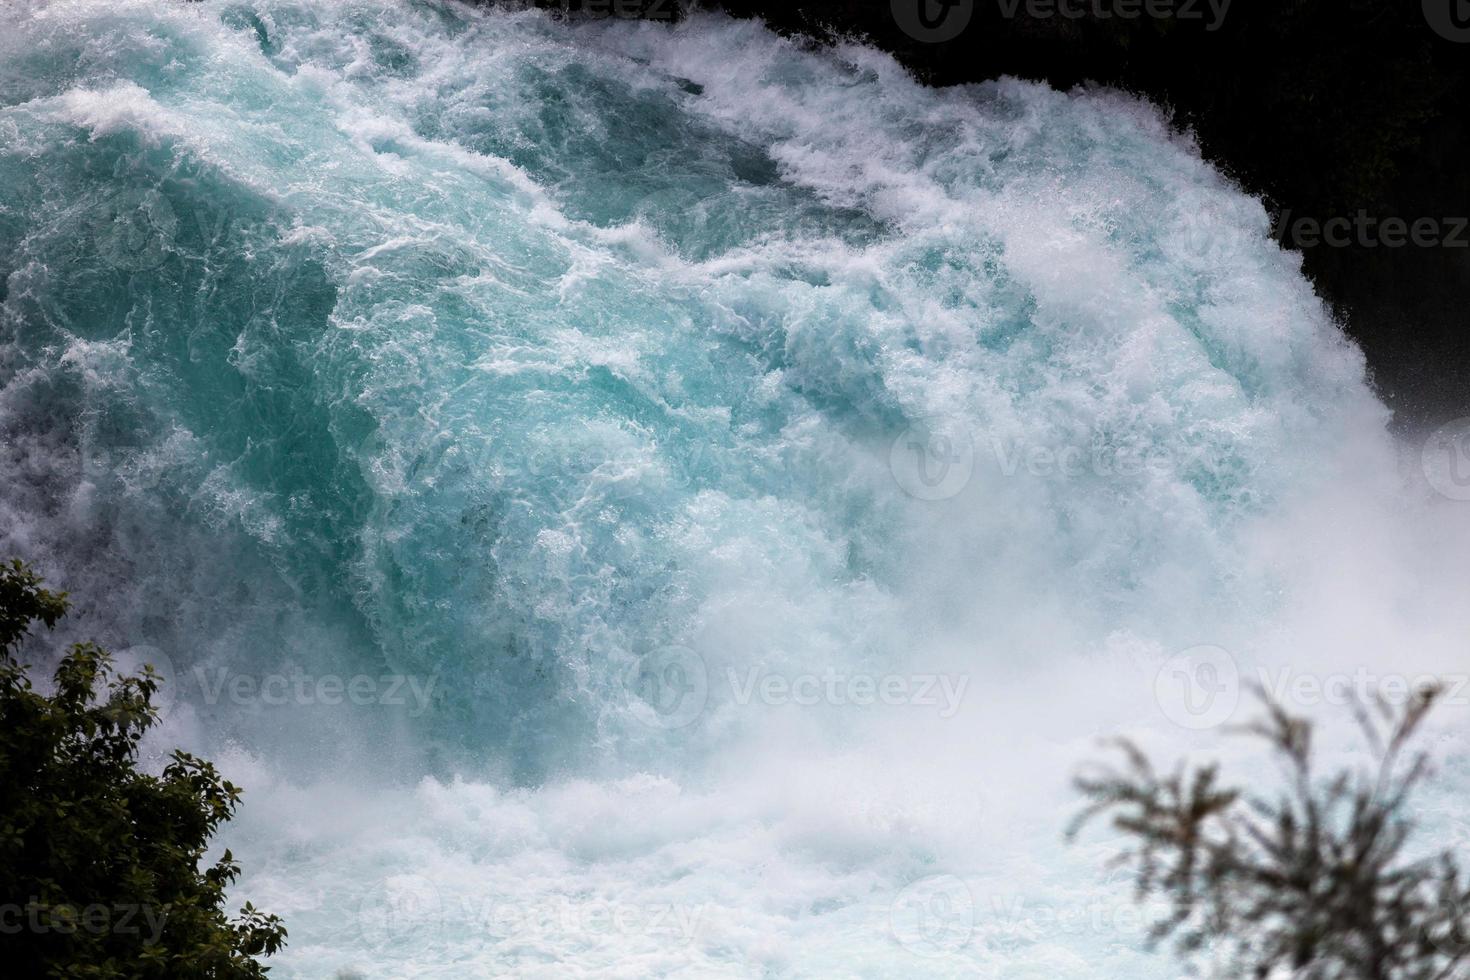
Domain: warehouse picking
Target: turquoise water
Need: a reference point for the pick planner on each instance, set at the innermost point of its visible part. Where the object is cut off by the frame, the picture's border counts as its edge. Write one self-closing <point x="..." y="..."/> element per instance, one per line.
<point x="553" y="373"/>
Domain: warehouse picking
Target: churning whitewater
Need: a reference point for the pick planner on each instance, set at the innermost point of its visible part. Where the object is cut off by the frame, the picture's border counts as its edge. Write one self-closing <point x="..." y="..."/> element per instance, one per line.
<point x="627" y="498"/>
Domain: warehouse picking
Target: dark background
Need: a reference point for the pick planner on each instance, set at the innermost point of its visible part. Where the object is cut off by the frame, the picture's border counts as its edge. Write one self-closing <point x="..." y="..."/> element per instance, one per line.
<point x="1325" y="108"/>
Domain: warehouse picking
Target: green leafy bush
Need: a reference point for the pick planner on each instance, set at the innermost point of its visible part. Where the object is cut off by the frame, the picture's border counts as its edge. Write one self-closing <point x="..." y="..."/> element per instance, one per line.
<point x="100" y="863"/>
<point x="1312" y="883"/>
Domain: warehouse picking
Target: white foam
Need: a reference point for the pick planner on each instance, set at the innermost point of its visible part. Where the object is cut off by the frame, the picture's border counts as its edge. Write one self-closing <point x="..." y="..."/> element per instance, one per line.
<point x="580" y="432"/>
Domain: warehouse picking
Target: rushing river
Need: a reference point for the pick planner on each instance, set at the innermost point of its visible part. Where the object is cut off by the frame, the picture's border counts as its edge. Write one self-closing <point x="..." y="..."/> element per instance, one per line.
<point x="627" y="499"/>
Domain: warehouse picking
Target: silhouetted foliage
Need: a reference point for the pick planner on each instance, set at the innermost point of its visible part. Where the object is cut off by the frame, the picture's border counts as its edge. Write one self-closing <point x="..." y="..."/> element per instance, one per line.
<point x="100" y="863"/>
<point x="1310" y="884"/>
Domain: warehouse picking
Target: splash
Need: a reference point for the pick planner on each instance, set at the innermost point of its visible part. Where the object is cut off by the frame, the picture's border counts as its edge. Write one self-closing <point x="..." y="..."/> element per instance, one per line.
<point x="685" y="499"/>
